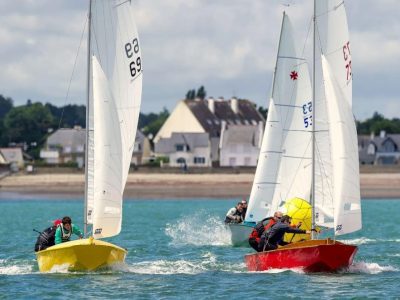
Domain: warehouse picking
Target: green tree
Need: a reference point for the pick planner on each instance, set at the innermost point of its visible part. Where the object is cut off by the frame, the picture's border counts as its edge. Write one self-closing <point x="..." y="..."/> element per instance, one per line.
<point x="263" y="111"/>
<point x="27" y="123"/>
<point x="68" y="116"/>
<point x="191" y="94"/>
<point x="5" y="106"/>
<point x="154" y="126"/>
<point x="201" y="93"/>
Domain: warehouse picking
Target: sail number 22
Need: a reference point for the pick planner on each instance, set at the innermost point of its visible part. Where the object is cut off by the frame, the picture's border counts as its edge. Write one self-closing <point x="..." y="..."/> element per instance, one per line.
<point x="132" y="51"/>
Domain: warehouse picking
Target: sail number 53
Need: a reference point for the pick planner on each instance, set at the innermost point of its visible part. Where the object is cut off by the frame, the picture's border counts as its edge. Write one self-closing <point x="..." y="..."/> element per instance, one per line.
<point x="307" y="114"/>
<point x="132" y="52"/>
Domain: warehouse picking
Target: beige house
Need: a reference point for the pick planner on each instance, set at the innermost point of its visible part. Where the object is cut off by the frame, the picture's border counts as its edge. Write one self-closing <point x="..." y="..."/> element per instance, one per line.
<point x="207" y="116"/>
<point x="13" y="156"/>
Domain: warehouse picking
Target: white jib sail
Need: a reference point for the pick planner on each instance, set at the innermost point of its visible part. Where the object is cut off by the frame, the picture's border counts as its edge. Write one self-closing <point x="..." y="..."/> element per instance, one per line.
<point x="116" y="96"/>
<point x="265" y="182"/>
<point x="346" y="178"/>
<point x="286" y="146"/>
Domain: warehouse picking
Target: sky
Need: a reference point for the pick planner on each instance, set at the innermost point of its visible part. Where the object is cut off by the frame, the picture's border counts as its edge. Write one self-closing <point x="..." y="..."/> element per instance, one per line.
<point x="228" y="46"/>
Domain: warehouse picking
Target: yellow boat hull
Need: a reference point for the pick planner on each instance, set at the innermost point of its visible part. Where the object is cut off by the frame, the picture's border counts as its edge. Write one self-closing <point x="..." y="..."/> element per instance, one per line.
<point x="80" y="255"/>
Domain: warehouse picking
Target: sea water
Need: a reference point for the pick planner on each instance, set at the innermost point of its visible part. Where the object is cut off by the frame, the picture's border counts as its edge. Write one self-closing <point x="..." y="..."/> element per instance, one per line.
<point x="179" y="249"/>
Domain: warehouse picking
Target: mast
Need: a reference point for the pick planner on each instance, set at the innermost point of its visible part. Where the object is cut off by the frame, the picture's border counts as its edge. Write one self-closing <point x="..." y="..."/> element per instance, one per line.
<point x="85" y="207"/>
<point x="313" y="130"/>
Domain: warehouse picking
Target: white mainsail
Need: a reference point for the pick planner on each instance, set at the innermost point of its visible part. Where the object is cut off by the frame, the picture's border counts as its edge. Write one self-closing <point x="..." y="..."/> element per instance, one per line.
<point x="346" y="181"/>
<point x="337" y="199"/>
<point x="284" y="165"/>
<point x="114" y="104"/>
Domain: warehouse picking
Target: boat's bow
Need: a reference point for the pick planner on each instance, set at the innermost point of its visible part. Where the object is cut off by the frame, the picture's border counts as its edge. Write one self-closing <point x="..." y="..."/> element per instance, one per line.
<point x="80" y="255"/>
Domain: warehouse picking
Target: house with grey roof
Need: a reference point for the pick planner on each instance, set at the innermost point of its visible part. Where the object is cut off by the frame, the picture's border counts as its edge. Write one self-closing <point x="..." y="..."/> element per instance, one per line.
<point x="240" y="144"/>
<point x="65" y="145"/>
<point x="68" y="145"/>
<point x="379" y="150"/>
<point x="186" y="149"/>
<point x="207" y="116"/>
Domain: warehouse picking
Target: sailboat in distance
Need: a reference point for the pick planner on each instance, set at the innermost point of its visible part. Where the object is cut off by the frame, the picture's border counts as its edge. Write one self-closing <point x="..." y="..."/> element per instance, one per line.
<point x="113" y="105"/>
<point x="334" y="185"/>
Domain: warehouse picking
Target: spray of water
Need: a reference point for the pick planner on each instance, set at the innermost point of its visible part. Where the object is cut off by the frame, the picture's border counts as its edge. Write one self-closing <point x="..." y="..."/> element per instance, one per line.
<point x="204" y="230"/>
<point x="369" y="268"/>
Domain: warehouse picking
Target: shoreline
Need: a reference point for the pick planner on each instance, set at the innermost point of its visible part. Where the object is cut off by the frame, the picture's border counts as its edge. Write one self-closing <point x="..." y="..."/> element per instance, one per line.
<point x="178" y="186"/>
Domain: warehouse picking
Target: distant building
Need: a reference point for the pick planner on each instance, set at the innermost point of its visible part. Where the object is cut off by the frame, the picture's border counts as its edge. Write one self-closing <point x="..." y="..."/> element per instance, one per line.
<point x="240" y="144"/>
<point x="65" y="145"/>
<point x="14" y="157"/>
<point x="142" y="150"/>
<point x="186" y="149"/>
<point x="379" y="150"/>
<point x="207" y="116"/>
<point x="68" y="145"/>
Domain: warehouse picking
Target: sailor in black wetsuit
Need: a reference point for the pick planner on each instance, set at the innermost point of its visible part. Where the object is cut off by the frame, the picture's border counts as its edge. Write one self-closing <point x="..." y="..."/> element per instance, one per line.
<point x="274" y="237"/>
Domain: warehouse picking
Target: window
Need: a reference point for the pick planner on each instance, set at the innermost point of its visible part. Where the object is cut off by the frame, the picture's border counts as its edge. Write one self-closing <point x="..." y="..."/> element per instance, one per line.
<point x="247" y="161"/>
<point x="180" y="147"/>
<point x="371" y="149"/>
<point x="232" y="161"/>
<point x="199" y="160"/>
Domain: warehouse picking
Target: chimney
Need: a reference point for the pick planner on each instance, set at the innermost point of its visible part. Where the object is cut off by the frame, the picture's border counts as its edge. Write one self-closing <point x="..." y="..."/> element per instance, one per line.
<point x="235" y="105"/>
<point x="372" y="136"/>
<point x="211" y="104"/>
<point x="223" y="128"/>
<point x="261" y="133"/>
<point x="382" y="134"/>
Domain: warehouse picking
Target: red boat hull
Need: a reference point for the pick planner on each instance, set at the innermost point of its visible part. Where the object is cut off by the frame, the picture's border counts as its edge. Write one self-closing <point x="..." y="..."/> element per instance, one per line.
<point x="311" y="256"/>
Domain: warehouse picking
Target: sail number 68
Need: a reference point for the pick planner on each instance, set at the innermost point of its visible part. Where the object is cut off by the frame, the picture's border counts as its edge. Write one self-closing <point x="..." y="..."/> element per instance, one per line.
<point x="130" y="49"/>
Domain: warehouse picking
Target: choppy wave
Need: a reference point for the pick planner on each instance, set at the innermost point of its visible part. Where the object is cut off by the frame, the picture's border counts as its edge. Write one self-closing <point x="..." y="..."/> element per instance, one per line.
<point x="364" y="240"/>
<point x="10" y="267"/>
<point x="207" y="262"/>
<point x="370" y="268"/>
<point x="359" y="241"/>
<point x="204" y="230"/>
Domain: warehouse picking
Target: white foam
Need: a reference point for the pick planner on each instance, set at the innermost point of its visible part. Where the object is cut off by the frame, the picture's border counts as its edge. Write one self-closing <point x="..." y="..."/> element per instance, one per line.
<point x="369" y="268"/>
<point x="59" y="269"/>
<point x="275" y="271"/>
<point x="359" y="241"/>
<point x="8" y="268"/>
<point x="199" y="229"/>
<point x="165" y="267"/>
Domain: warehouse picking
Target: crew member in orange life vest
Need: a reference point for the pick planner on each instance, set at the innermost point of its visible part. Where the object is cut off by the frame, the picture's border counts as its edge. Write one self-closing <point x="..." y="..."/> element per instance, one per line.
<point x="65" y="230"/>
<point x="255" y="235"/>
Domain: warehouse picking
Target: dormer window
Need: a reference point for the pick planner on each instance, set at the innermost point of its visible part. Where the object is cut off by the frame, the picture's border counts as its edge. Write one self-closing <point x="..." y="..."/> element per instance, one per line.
<point x="180" y="147"/>
<point x="371" y="149"/>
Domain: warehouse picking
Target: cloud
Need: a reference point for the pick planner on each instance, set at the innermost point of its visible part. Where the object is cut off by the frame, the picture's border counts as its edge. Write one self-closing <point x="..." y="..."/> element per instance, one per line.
<point x="229" y="46"/>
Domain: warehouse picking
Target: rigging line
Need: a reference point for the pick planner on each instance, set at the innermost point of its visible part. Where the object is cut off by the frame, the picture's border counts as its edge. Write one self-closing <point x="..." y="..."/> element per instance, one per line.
<point x="307" y="36"/>
<point x="72" y="74"/>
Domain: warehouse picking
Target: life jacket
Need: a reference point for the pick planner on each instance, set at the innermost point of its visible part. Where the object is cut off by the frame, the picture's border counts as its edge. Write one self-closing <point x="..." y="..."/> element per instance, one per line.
<point x="260" y="228"/>
<point x="45" y="238"/>
<point x="65" y="236"/>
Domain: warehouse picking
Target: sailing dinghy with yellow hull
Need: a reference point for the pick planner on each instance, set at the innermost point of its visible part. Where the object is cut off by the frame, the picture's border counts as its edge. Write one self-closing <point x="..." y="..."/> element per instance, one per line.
<point x="113" y="104"/>
<point x="81" y="255"/>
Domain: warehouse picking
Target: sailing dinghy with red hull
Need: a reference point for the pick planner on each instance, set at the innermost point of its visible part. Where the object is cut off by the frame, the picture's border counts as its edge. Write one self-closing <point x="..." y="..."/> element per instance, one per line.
<point x="310" y="256"/>
<point x="327" y="170"/>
